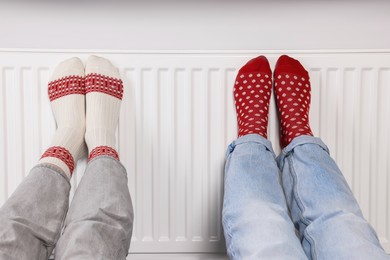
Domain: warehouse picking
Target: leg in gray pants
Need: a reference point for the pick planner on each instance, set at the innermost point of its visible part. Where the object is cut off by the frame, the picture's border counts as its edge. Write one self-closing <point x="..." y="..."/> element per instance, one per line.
<point x="100" y="219"/>
<point x="97" y="226"/>
<point x="31" y="219"/>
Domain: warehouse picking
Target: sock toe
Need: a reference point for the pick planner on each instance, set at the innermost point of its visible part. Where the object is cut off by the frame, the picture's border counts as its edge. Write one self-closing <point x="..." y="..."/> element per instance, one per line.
<point x="100" y="65"/>
<point x="258" y="64"/>
<point x="73" y="66"/>
<point x="286" y="64"/>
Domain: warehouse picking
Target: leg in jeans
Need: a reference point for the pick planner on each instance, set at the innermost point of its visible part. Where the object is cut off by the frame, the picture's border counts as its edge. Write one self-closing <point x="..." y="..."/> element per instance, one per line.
<point x="255" y="216"/>
<point x="31" y="219"/>
<point x="256" y="221"/>
<point x="331" y="224"/>
<point x="100" y="219"/>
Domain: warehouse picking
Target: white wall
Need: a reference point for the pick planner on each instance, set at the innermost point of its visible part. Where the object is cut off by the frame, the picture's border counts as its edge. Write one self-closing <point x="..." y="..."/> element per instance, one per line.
<point x="213" y="24"/>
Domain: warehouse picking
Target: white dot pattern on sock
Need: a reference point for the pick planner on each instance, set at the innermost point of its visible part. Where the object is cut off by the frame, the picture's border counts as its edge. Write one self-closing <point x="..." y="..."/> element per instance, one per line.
<point x="293" y="100"/>
<point x="252" y="92"/>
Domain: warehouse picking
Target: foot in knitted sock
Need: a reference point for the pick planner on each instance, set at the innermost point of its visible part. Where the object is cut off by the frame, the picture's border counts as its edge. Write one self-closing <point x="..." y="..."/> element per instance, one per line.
<point x="67" y="97"/>
<point x="252" y="92"/>
<point x="292" y="90"/>
<point x="104" y="91"/>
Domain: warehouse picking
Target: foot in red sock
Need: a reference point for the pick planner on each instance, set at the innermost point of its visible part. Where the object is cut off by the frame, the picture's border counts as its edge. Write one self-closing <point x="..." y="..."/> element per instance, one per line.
<point x="252" y="92"/>
<point x="292" y="90"/>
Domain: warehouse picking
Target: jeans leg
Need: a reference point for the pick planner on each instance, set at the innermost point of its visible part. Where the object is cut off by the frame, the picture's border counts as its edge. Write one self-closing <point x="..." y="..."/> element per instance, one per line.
<point x="31" y="219"/>
<point x="255" y="217"/>
<point x="99" y="223"/>
<point x="331" y="224"/>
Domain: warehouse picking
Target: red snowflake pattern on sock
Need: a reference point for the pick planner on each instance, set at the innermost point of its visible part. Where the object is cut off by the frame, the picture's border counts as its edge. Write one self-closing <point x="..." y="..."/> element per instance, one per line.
<point x="60" y="153"/>
<point x="103" y="150"/>
<point x="64" y="86"/>
<point x="100" y="83"/>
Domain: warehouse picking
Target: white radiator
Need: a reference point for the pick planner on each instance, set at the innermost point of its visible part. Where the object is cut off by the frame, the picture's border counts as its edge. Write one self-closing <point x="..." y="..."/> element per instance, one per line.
<point x="177" y="119"/>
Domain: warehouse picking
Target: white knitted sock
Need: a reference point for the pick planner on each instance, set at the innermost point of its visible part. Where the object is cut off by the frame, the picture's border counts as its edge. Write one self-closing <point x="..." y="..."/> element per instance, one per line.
<point x="67" y="96"/>
<point x="104" y="91"/>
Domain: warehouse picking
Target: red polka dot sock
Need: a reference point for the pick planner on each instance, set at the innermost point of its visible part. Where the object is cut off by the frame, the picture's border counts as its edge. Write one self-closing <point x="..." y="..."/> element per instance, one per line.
<point x="252" y="92"/>
<point x="292" y="90"/>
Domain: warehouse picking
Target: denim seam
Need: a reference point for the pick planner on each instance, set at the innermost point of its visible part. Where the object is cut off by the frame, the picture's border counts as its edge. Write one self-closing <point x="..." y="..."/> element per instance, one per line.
<point x="226" y="223"/>
<point x="295" y="191"/>
<point x="301" y="207"/>
<point x="227" y="229"/>
<point x="310" y="240"/>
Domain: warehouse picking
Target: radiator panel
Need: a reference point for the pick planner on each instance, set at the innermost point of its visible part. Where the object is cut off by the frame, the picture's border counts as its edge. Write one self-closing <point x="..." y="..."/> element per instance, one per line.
<point x="177" y="118"/>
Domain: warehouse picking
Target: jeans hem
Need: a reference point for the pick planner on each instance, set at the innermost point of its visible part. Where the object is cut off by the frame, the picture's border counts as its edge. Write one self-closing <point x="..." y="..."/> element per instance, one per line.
<point x="250" y="138"/>
<point x="300" y="140"/>
<point x="54" y="168"/>
<point x="100" y="157"/>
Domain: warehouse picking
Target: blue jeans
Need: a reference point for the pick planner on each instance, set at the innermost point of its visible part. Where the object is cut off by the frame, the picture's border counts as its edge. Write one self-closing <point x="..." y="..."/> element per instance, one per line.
<point x="295" y="206"/>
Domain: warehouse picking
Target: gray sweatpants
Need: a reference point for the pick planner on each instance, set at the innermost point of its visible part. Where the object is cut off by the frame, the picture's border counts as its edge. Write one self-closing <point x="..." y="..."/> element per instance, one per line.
<point x="98" y="224"/>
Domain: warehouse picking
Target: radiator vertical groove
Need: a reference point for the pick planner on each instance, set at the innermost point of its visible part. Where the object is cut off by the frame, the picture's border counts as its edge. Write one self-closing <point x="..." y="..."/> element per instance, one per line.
<point x="13" y="125"/>
<point x="31" y="113"/>
<point x="164" y="153"/>
<point x="22" y="152"/>
<point x="155" y="147"/>
<point x="231" y="127"/>
<point x="138" y="158"/>
<point x="183" y="144"/>
<point x="373" y="170"/>
<point x="339" y="115"/>
<point x="173" y="157"/>
<point x="356" y="135"/>
<point x="383" y="107"/>
<point x="315" y="106"/>
<point x="215" y="148"/>
<point x="39" y="101"/>
<point x="198" y="105"/>
<point x="4" y="135"/>
<point x="329" y="106"/>
<point x="365" y="134"/>
<point x="48" y="124"/>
